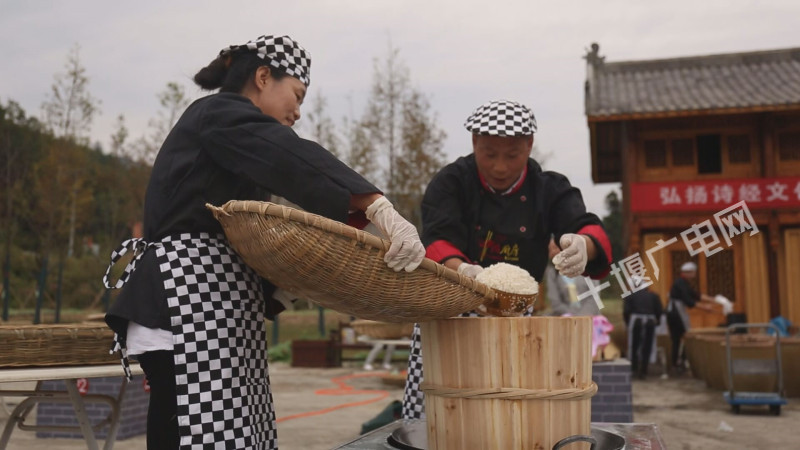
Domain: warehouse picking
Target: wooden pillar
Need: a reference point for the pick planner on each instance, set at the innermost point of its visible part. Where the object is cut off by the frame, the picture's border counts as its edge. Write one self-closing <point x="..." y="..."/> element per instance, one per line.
<point x="756" y="278"/>
<point x="791" y="253"/>
<point x="628" y="154"/>
<point x="772" y="254"/>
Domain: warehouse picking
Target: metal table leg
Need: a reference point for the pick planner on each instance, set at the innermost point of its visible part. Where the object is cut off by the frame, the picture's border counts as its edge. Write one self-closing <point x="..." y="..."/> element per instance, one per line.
<point x="115" y="414"/>
<point x="80" y="413"/>
<point x="17" y="416"/>
<point x="387" y="357"/>
<point x="376" y="348"/>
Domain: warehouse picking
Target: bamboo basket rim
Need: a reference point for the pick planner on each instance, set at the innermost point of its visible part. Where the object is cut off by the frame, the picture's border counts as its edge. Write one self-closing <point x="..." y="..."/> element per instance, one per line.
<point x="332" y="226"/>
<point x="20" y="329"/>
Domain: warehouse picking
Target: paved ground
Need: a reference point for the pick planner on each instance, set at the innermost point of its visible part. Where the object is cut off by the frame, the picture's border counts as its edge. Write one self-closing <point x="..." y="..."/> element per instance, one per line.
<point x="688" y="415"/>
<point x="295" y="393"/>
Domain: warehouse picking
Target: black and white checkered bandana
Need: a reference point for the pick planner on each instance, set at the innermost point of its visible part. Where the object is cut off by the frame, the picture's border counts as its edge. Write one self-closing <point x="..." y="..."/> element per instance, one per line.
<point x="281" y="52"/>
<point x="502" y="118"/>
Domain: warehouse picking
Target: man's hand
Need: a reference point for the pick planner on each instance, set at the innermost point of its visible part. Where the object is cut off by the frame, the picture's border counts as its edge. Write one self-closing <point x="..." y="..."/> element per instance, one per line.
<point x="572" y="260"/>
<point x="469" y="270"/>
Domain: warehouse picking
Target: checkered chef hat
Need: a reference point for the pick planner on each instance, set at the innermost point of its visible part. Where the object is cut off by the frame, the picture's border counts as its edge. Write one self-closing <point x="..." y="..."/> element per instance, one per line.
<point x="502" y="118"/>
<point x="281" y="52"/>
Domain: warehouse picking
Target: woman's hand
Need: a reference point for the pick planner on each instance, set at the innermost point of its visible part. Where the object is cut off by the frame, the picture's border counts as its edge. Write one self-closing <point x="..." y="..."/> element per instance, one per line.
<point x="406" y="251"/>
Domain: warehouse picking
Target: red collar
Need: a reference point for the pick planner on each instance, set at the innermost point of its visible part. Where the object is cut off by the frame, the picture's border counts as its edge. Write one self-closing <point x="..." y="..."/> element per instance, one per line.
<point x="514" y="187"/>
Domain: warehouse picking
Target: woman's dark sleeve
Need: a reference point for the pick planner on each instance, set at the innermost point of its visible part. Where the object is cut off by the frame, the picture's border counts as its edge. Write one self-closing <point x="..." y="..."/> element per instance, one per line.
<point x="241" y="139"/>
<point x="444" y="228"/>
<point x="566" y="213"/>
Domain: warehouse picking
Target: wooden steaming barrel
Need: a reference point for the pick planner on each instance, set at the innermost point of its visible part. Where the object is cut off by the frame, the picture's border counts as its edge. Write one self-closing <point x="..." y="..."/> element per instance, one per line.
<point x="521" y="383"/>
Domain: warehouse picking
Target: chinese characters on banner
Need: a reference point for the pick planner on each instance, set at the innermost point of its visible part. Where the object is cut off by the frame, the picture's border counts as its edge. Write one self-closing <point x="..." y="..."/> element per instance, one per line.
<point x="698" y="238"/>
<point x="711" y="195"/>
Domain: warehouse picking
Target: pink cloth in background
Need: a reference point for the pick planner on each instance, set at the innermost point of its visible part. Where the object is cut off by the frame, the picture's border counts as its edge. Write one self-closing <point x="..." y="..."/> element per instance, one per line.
<point x="601" y="328"/>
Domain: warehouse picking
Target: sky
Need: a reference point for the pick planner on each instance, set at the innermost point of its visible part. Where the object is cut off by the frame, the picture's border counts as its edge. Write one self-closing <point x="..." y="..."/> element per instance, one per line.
<point x="460" y="53"/>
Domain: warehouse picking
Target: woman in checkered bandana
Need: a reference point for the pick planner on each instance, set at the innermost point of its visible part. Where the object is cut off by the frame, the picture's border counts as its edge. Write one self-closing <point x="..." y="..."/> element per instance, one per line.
<point x="191" y="311"/>
<point x="498" y="205"/>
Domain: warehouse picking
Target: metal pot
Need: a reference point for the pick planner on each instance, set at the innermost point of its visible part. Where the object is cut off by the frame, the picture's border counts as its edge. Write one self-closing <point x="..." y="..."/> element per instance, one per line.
<point x="414" y="436"/>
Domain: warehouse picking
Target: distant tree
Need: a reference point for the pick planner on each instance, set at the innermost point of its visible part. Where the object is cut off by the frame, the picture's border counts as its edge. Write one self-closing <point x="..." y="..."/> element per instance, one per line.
<point x="173" y="101"/>
<point x="49" y="187"/>
<point x="119" y="137"/>
<point x="68" y="112"/>
<point x="400" y="127"/>
<point x="383" y="115"/>
<point x="19" y="147"/>
<point x="320" y="125"/>
<point x="114" y="198"/>
<point x="420" y="154"/>
<point x="70" y="108"/>
<point x="613" y="224"/>
<point x="362" y="155"/>
<point x="60" y="202"/>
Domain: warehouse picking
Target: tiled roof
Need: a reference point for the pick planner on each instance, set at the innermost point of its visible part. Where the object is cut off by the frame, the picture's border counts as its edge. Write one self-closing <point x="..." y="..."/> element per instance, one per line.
<point x="766" y="79"/>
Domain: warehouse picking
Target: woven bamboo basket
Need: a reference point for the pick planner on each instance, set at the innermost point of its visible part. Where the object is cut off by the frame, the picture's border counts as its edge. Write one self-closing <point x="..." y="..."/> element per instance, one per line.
<point x="382" y="330"/>
<point x="341" y="267"/>
<point x="55" y="345"/>
<point x="507" y="304"/>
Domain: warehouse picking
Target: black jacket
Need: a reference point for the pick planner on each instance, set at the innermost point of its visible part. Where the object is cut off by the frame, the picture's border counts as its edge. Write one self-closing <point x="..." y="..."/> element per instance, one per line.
<point x="682" y="291"/>
<point x="457" y="209"/>
<point x="224" y="148"/>
<point x="642" y="302"/>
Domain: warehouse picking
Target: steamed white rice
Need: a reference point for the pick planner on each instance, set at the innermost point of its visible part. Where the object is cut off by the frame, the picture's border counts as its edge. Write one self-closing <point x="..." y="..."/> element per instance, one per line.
<point x="508" y="278"/>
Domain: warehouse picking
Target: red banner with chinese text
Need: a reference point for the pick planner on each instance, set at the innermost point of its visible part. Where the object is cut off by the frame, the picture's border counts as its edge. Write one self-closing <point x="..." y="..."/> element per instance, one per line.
<point x="759" y="193"/>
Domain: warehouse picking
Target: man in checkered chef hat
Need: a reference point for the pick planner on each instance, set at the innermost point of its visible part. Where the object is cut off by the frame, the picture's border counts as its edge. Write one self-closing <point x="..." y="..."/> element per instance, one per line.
<point x="498" y="205"/>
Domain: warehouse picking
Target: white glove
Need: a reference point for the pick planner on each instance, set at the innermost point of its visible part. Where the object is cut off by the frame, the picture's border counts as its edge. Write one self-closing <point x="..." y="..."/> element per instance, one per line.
<point x="406" y="251"/>
<point x="469" y="270"/>
<point x="727" y="306"/>
<point x="571" y="261"/>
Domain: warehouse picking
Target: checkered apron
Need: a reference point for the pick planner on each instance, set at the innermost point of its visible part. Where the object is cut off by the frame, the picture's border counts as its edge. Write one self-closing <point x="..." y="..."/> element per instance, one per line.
<point x="413" y="396"/>
<point x="217" y="314"/>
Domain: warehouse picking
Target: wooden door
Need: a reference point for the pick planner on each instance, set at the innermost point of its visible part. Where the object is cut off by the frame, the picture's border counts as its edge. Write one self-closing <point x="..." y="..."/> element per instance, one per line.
<point x="791" y="270"/>
<point x="755" y="276"/>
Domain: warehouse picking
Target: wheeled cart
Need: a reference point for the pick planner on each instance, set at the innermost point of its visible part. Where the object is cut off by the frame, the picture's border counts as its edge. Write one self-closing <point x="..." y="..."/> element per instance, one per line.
<point x="766" y="367"/>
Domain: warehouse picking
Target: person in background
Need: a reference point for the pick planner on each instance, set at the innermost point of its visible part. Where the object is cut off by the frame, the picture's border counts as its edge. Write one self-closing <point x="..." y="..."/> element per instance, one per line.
<point x="641" y="312"/>
<point x="682" y="297"/>
<point x="191" y="311"/>
<point x="557" y="292"/>
<point x="498" y="205"/>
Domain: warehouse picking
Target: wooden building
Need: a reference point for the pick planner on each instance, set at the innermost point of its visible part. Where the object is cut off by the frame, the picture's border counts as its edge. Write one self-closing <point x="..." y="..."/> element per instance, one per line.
<point x="693" y="140"/>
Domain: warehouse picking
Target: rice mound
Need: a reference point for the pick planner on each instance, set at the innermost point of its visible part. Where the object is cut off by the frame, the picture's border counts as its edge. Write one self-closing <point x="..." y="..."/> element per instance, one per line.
<point x="508" y="278"/>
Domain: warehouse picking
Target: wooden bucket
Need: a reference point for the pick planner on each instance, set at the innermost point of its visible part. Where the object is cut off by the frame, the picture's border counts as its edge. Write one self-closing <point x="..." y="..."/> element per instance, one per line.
<point x="507" y="382"/>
